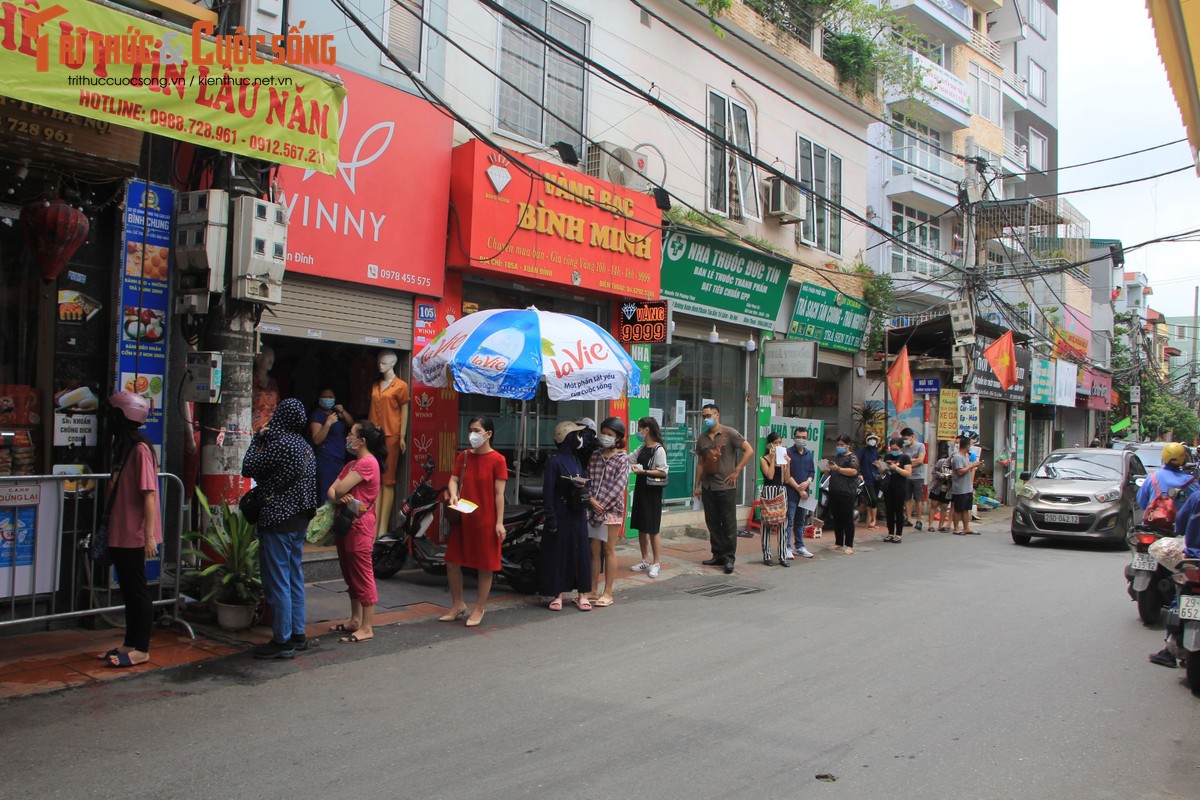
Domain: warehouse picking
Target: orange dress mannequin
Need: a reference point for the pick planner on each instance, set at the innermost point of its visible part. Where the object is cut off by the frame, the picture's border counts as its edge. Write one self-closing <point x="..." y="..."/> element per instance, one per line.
<point x="266" y="390"/>
<point x="389" y="411"/>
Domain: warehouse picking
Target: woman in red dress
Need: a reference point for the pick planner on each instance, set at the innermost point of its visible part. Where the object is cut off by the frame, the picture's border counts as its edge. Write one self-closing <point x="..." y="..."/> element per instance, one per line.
<point x="479" y="476"/>
<point x="358" y="483"/>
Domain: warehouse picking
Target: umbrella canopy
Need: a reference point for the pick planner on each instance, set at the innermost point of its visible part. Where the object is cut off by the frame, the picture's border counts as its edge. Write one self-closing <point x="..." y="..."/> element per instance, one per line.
<point x="507" y="352"/>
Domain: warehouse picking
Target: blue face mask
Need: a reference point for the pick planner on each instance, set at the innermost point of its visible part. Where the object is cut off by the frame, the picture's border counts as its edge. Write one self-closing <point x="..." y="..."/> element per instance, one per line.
<point x="895" y="452"/>
<point x="709" y="422"/>
<point x="840" y="450"/>
<point x="641" y="437"/>
<point x="327" y="403"/>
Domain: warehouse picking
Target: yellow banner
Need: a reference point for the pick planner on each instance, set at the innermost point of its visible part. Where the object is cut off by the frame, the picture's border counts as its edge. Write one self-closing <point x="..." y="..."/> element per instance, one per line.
<point x="222" y="92"/>
<point x="947" y="427"/>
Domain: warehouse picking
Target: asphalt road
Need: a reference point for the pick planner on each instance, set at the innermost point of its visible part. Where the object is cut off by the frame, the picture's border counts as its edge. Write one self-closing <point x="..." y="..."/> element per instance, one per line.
<point x="946" y="667"/>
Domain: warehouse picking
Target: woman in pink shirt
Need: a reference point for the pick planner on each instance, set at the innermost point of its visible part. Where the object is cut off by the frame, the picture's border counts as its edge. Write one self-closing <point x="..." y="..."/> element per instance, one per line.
<point x="358" y="485"/>
<point x="134" y="527"/>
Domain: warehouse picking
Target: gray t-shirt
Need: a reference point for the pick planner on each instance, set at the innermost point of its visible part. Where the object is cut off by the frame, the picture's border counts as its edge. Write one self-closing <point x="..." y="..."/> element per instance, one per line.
<point x="916" y="451"/>
<point x="961" y="484"/>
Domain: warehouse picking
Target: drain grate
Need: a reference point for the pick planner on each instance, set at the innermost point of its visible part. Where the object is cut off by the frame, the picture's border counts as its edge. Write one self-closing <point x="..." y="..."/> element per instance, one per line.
<point x="722" y="589"/>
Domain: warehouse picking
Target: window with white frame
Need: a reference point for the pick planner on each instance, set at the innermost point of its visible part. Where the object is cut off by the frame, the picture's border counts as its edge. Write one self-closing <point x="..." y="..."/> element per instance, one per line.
<point x="1037" y="16"/>
<point x="549" y="105"/>
<point x="820" y="176"/>
<point x="918" y="144"/>
<point x="404" y="34"/>
<point x="984" y="88"/>
<point x="1037" y="81"/>
<point x="1039" y="151"/>
<point x="921" y="230"/>
<point x="732" y="180"/>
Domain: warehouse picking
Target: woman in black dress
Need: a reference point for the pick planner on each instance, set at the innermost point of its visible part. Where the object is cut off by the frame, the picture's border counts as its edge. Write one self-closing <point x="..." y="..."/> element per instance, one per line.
<point x="843" y="487"/>
<point x="650" y="467"/>
<point x="566" y="562"/>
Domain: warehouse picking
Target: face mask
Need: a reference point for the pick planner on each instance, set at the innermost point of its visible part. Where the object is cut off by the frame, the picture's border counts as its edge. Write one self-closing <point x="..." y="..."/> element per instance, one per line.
<point x="641" y="437"/>
<point x="872" y="443"/>
<point x="709" y="422"/>
<point x="350" y="448"/>
<point x="895" y="452"/>
<point x="840" y="450"/>
<point x="579" y="442"/>
<point x="326" y="403"/>
<point x="476" y="439"/>
<point x="606" y="441"/>
<point x="908" y="442"/>
<point x="801" y="444"/>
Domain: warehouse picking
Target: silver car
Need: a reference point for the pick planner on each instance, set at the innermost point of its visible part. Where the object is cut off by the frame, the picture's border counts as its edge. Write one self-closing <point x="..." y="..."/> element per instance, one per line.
<point x="1080" y="493"/>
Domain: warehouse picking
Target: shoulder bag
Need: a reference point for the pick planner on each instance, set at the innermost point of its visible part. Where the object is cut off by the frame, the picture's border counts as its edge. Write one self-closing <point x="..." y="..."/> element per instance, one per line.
<point x="651" y="480"/>
<point x="252" y="503"/>
<point x="98" y="541"/>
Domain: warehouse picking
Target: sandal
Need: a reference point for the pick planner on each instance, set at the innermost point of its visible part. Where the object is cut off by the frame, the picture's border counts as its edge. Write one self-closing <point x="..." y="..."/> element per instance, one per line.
<point x="583" y="603"/>
<point x="353" y="639"/>
<point x="109" y="654"/>
<point x="602" y="602"/>
<point x="889" y="538"/>
<point x="555" y="604"/>
<point x="341" y="627"/>
<point x="835" y="547"/>
<point x="123" y="661"/>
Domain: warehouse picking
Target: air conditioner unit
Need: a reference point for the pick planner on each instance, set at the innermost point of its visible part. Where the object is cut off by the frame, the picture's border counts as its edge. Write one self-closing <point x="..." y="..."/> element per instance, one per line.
<point x="785" y="201"/>
<point x="615" y="164"/>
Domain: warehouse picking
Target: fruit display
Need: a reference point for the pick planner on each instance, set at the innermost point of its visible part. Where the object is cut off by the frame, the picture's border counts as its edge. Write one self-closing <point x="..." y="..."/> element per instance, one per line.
<point x="144" y="324"/>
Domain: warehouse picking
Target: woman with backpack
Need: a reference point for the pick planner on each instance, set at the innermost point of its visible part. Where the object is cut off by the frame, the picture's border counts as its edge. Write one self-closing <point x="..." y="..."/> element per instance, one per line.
<point x="650" y="467"/>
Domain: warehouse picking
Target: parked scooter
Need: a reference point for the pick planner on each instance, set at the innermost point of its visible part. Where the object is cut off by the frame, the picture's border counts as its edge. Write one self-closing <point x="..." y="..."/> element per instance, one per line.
<point x="1149" y="582"/>
<point x="518" y="554"/>
<point x="1183" y="620"/>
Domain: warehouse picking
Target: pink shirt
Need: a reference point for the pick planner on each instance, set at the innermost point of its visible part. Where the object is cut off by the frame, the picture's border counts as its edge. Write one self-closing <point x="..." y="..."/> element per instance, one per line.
<point x="127" y="523"/>
<point x="365" y="491"/>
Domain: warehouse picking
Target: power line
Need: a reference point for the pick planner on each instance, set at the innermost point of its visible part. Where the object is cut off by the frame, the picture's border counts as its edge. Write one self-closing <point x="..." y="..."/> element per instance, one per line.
<point x="1107" y="185"/>
<point x="1098" y="160"/>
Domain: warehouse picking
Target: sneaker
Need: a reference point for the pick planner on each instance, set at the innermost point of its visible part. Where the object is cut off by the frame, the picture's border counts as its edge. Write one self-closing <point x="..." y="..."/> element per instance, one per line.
<point x="641" y="566"/>
<point x="803" y="552"/>
<point x="653" y="571"/>
<point x="275" y="649"/>
<point x="299" y="642"/>
<point x="918" y="525"/>
<point x="789" y="555"/>
<point x="1163" y="658"/>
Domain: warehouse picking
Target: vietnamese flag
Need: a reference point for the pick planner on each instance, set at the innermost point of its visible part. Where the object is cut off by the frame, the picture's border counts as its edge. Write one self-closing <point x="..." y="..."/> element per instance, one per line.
<point x="899" y="379"/>
<point x="1002" y="358"/>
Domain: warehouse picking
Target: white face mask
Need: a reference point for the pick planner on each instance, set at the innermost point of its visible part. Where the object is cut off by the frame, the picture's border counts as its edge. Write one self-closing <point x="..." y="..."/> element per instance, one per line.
<point x="606" y="441"/>
<point x="477" y="439"/>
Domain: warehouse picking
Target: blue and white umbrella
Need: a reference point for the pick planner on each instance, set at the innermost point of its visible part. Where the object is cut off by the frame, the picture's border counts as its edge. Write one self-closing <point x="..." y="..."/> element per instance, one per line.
<point x="508" y="352"/>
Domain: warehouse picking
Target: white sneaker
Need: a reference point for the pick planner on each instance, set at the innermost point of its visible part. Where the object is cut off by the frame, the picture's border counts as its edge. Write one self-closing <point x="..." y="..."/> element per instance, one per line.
<point x="789" y="555"/>
<point x="641" y="566"/>
<point x="803" y="552"/>
<point x="654" y="568"/>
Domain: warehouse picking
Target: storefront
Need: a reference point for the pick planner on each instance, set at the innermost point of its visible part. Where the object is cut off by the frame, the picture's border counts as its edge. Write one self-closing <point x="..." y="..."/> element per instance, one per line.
<point x="526" y="232"/>
<point x="997" y="426"/>
<point x="1095" y="395"/>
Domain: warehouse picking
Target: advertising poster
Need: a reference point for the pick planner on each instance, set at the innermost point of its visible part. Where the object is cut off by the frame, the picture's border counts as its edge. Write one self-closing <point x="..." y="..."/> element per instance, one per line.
<point x="1041" y="387"/>
<point x="681" y="464"/>
<point x="947" y="421"/>
<point x="28" y="565"/>
<point x="1066" y="376"/>
<point x="829" y="317"/>
<point x="785" y="426"/>
<point x="1018" y="465"/>
<point x="145" y="299"/>
<point x="433" y="413"/>
<point x="968" y="416"/>
<point x="634" y="408"/>
<point x="708" y="276"/>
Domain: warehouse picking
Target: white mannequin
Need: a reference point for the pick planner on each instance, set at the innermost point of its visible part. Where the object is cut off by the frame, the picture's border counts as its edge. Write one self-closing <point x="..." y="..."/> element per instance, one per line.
<point x="389" y="411"/>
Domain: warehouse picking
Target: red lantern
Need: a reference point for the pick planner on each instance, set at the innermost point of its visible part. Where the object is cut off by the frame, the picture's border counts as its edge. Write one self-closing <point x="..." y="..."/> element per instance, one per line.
<point x="53" y="231"/>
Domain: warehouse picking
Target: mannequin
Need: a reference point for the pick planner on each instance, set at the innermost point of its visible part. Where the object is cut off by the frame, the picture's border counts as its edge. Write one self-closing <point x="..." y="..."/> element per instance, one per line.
<point x="266" y="390"/>
<point x="389" y="411"/>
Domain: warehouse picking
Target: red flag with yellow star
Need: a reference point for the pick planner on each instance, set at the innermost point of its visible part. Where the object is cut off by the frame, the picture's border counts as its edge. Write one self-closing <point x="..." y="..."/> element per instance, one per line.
<point x="1002" y="358"/>
<point x="900" y="384"/>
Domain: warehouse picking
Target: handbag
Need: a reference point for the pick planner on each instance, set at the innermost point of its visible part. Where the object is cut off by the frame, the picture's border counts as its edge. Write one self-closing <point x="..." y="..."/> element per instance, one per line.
<point x="252" y="503"/>
<point x="650" y="479"/>
<point x="773" y="509"/>
<point x="320" y="527"/>
<point x="98" y="541"/>
<point x="343" y="520"/>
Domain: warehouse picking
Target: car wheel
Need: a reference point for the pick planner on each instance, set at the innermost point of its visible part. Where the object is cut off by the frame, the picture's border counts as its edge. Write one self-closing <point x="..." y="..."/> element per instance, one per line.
<point x="1020" y="538"/>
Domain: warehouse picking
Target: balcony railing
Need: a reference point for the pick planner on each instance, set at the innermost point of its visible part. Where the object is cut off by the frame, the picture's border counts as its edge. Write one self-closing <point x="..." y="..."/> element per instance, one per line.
<point x="985" y="46"/>
<point x="929" y="166"/>
<point x="1017" y="82"/>
<point x="955" y="8"/>
<point x="1017" y="151"/>
<point x="790" y="16"/>
<point x="903" y="260"/>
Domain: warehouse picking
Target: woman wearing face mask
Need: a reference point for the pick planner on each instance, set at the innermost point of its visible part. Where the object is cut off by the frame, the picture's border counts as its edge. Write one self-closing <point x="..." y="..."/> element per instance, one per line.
<point x="773" y="498"/>
<point x="327" y="426"/>
<point x="479" y="477"/>
<point x="895" y="467"/>
<point x="608" y="479"/>
<point x="843" y="487"/>
<point x="867" y="456"/>
<point x="358" y="485"/>
<point x="566" y="560"/>
<point x="649" y="463"/>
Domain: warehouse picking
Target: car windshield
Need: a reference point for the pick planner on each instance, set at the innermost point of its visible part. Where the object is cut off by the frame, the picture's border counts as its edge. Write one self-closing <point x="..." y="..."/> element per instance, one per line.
<point x="1151" y="457"/>
<point x="1081" y="467"/>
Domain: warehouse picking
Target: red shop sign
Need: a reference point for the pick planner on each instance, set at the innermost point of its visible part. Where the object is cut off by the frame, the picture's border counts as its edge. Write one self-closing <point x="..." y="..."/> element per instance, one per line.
<point x="563" y="227"/>
<point x="381" y="219"/>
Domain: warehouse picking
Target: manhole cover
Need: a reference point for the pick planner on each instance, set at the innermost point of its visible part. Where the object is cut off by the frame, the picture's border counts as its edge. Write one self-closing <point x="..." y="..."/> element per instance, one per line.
<point x="722" y="589"/>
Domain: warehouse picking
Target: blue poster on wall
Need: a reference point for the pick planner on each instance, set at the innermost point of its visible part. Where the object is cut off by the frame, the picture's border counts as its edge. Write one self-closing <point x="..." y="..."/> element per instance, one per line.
<point x="145" y="256"/>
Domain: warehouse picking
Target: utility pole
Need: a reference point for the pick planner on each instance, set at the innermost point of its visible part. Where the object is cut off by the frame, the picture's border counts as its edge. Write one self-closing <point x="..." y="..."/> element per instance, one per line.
<point x="1135" y="391"/>
<point x="1191" y="393"/>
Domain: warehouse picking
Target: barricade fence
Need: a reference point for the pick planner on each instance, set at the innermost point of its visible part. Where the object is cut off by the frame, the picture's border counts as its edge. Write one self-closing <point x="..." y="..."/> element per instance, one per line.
<point x="46" y="570"/>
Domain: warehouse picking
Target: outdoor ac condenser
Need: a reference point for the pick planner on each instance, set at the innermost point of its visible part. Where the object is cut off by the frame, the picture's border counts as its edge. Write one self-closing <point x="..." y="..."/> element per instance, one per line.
<point x="785" y="202"/>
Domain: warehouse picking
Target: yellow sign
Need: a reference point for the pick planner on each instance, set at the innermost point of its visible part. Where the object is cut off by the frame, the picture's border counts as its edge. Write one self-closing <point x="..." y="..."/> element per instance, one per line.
<point x="947" y="427"/>
<point x="91" y="60"/>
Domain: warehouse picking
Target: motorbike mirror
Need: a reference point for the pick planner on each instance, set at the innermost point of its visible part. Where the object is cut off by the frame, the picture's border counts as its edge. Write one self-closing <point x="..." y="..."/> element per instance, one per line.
<point x="1024" y="476"/>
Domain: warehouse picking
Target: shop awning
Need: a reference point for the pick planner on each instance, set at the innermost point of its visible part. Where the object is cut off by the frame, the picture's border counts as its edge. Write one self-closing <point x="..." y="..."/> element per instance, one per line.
<point x="1176" y="23"/>
<point x="94" y="61"/>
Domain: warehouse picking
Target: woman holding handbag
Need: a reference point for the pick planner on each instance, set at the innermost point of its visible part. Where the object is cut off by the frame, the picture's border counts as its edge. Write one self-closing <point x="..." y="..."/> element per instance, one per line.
<point x="772" y="498"/>
<point x="479" y="477"/>
<point x="650" y="467"/>
<point x="134" y="527"/>
<point x="356" y="488"/>
<point x="608" y="483"/>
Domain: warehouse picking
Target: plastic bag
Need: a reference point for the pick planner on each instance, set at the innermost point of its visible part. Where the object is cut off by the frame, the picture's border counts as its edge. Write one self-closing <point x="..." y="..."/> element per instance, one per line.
<point x="1168" y="551"/>
<point x="320" y="527"/>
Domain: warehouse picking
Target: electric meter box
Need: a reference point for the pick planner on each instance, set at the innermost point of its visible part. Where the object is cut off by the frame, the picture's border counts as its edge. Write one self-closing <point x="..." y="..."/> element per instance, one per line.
<point x="259" y="250"/>
<point x="202" y="379"/>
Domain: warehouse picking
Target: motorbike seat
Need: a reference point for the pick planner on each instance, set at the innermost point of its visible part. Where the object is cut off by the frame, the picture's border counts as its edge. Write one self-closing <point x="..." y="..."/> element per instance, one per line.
<point x="529" y="494"/>
<point x="516" y="513"/>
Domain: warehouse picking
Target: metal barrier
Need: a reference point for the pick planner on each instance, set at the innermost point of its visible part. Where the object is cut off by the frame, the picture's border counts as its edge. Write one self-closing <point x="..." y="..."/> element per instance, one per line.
<point x="46" y="572"/>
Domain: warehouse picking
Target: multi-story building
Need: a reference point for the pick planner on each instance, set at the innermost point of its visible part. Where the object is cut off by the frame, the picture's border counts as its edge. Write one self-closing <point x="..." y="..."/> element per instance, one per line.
<point x="1183" y="369"/>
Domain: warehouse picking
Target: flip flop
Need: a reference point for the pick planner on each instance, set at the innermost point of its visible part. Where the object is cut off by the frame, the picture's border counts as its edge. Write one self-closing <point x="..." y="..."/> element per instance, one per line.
<point x="602" y="602"/>
<point x="109" y="654"/>
<point x="352" y="639"/>
<point x="123" y="661"/>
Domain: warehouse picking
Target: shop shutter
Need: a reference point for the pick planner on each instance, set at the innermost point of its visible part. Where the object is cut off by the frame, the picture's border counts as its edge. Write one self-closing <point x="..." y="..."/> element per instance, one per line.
<point x="337" y="311"/>
<point x="1074" y="424"/>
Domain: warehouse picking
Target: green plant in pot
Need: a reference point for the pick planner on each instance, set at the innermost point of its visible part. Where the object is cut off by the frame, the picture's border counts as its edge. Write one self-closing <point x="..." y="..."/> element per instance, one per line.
<point x="226" y="550"/>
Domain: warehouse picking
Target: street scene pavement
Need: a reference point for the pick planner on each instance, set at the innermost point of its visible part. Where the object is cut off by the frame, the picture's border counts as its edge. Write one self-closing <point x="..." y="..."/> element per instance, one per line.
<point x="944" y="667"/>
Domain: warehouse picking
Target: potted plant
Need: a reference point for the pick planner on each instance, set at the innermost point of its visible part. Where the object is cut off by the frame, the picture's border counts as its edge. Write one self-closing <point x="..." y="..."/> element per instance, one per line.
<point x="226" y="551"/>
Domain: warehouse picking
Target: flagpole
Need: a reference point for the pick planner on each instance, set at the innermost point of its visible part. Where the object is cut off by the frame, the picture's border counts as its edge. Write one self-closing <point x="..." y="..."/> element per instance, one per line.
<point x="887" y="388"/>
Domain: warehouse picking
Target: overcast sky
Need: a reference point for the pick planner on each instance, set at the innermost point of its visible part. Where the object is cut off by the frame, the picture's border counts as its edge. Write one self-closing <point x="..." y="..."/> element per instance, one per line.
<point x="1114" y="98"/>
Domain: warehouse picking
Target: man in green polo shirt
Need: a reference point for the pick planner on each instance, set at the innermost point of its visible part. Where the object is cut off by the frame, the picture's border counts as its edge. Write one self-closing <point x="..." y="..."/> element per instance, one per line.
<point x="716" y="483"/>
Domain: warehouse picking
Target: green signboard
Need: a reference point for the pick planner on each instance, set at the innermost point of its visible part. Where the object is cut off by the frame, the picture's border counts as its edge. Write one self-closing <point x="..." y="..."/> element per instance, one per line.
<point x="709" y="277"/>
<point x="681" y="464"/>
<point x="830" y="318"/>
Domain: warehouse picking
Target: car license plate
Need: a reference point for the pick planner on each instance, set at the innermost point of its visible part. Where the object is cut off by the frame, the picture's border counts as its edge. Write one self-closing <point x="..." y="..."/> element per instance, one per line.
<point x="1189" y="606"/>
<point x="1144" y="561"/>
<point x="1064" y="519"/>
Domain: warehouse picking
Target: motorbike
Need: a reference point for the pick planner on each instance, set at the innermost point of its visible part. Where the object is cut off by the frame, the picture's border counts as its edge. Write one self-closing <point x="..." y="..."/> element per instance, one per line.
<point x="1183" y="620"/>
<point x="1149" y="582"/>
<point x="410" y="536"/>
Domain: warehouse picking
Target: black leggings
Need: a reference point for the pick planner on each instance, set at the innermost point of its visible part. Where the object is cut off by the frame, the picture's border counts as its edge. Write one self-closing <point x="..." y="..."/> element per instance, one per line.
<point x="893" y="512"/>
<point x="130" y="563"/>
<point x="841" y="512"/>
